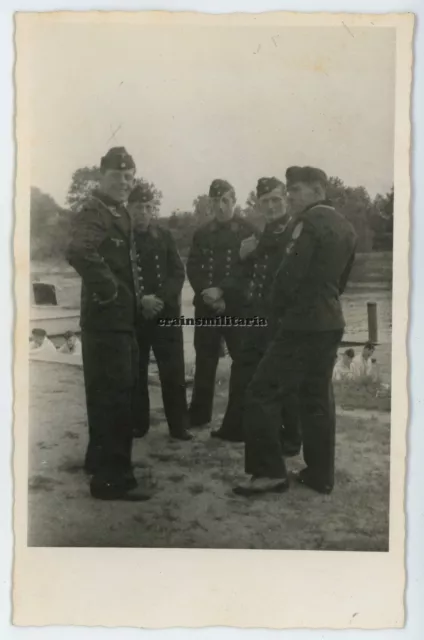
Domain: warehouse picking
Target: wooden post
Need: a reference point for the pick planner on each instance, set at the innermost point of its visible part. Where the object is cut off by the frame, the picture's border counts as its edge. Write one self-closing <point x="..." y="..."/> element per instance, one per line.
<point x="372" y="322"/>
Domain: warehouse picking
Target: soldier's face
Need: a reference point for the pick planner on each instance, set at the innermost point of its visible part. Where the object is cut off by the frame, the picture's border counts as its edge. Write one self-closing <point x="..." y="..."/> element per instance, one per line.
<point x="141" y="213"/>
<point x="273" y="205"/>
<point x="301" y="195"/>
<point x="223" y="207"/>
<point x="38" y="340"/>
<point x="117" y="184"/>
<point x="71" y="341"/>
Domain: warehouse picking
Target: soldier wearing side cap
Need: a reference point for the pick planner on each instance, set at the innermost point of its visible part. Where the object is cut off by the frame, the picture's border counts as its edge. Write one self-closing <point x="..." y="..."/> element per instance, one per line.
<point x="306" y="298"/>
<point x="102" y="251"/>
<point x="260" y="260"/>
<point x="161" y="277"/>
<point x="212" y="269"/>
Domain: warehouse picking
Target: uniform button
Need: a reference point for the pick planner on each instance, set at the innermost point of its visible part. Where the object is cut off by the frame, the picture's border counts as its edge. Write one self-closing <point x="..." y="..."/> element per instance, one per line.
<point x="156" y="257"/>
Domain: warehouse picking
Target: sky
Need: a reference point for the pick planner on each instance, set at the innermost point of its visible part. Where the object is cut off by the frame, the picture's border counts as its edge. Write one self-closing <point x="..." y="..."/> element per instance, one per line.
<point x="196" y="103"/>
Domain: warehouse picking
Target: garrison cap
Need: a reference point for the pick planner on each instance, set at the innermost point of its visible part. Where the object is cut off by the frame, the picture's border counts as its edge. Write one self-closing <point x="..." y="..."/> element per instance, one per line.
<point x="117" y="158"/>
<point x="219" y="187"/>
<point x="39" y="332"/>
<point x="141" y="193"/>
<point x="266" y="185"/>
<point x="307" y="175"/>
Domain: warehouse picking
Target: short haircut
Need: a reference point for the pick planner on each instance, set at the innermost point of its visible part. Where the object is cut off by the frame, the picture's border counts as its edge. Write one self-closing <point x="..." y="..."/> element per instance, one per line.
<point x="350" y="353"/>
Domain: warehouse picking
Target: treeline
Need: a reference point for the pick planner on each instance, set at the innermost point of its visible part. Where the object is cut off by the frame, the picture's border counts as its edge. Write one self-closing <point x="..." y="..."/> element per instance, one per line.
<point x="50" y="223"/>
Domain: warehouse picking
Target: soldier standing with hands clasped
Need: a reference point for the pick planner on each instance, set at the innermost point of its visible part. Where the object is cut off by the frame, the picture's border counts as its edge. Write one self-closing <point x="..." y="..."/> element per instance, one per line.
<point x="306" y="291"/>
<point x="211" y="270"/>
<point x="161" y="278"/>
<point x="260" y="260"/>
<point x="102" y="251"/>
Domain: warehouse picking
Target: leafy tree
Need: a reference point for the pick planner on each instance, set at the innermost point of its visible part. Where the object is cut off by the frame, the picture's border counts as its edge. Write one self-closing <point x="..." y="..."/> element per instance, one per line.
<point x="354" y="203"/>
<point x="202" y="208"/>
<point x="49" y="225"/>
<point x="382" y="221"/>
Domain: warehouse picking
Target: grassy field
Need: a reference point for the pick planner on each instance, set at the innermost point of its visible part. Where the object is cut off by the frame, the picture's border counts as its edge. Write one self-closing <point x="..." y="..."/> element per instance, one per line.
<point x="192" y="504"/>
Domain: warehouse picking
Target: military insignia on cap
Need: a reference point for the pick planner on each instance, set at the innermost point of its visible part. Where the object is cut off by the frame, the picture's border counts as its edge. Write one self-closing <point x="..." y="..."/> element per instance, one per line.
<point x="297" y="231"/>
<point x="123" y="165"/>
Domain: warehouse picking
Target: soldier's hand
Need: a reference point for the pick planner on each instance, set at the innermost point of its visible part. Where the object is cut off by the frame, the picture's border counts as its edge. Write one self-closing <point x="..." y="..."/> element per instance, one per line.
<point x="212" y="295"/>
<point x="151" y="305"/>
<point x="247" y="246"/>
<point x="218" y="306"/>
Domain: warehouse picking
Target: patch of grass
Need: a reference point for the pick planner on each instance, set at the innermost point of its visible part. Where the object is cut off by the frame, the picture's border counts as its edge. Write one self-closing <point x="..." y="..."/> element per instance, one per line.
<point x="44" y="445"/>
<point x="71" y="435"/>
<point x="352" y="395"/>
<point x="196" y="488"/>
<point x="42" y="483"/>
<point x="162" y="456"/>
<point x="71" y="467"/>
<point x="176" y="477"/>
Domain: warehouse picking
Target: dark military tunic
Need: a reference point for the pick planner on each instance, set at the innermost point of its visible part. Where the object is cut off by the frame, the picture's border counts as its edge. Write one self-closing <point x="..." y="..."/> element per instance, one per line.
<point x="101" y="250"/>
<point x="257" y="272"/>
<point x="214" y="262"/>
<point x="301" y="357"/>
<point x="161" y="272"/>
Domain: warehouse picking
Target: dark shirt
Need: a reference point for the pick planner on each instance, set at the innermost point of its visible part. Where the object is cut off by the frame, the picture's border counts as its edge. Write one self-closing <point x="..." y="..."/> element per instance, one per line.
<point x="214" y="260"/>
<point x="314" y="271"/>
<point x="159" y="267"/>
<point x="102" y="252"/>
<point x="260" y="266"/>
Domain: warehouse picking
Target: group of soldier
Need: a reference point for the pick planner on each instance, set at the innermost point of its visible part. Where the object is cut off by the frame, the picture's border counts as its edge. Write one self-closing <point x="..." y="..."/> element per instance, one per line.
<point x="290" y="275"/>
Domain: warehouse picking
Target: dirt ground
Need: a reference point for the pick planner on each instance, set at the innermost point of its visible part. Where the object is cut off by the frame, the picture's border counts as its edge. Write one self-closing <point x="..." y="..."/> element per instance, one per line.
<point x="192" y="504"/>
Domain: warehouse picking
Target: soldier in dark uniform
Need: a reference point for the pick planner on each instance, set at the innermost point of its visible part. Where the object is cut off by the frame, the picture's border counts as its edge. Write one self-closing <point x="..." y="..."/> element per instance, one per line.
<point x="260" y="261"/>
<point x="161" y="277"/>
<point x="306" y="292"/>
<point x="102" y="251"/>
<point x="211" y="268"/>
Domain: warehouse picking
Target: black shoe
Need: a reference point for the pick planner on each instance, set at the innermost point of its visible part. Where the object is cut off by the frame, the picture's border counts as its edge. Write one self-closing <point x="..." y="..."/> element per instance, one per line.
<point x="229" y="437"/>
<point x="260" y="486"/>
<point x="182" y="435"/>
<point x="123" y="492"/>
<point x="306" y="479"/>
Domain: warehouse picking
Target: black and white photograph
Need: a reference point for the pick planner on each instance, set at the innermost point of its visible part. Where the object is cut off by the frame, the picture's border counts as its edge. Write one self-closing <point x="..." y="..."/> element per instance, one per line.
<point x="212" y="239"/>
<point x="211" y="280"/>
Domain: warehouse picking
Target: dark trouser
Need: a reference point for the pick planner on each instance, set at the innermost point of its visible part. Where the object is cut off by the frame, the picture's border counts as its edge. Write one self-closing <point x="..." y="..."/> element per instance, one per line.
<point x="110" y="361"/>
<point x="207" y="344"/>
<point x="168" y="348"/>
<point x="253" y="348"/>
<point x="295" y="360"/>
